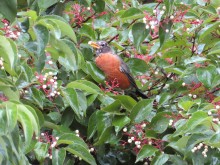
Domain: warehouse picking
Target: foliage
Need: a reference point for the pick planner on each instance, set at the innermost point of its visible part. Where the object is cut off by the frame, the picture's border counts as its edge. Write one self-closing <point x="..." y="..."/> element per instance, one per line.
<point x="57" y="109"/>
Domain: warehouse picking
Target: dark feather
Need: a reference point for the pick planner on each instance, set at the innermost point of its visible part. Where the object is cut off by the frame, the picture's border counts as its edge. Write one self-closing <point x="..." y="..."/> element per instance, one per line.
<point x="124" y="68"/>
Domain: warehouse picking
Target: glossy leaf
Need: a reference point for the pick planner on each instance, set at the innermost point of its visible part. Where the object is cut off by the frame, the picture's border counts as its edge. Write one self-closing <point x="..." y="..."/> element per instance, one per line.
<point x="58" y="156"/>
<point x="84" y="85"/>
<point x="9" y="9"/>
<point x="139" y="33"/>
<point x="208" y="76"/>
<point x="146" y="151"/>
<point x="141" y="110"/>
<point x="8" y="53"/>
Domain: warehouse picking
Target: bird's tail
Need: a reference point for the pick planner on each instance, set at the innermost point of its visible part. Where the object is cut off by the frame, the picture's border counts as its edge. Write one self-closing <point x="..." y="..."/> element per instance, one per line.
<point x="141" y="94"/>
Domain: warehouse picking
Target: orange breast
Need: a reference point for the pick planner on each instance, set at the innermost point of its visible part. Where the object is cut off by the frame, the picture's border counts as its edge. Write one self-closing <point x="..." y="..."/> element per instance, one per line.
<point x="110" y="65"/>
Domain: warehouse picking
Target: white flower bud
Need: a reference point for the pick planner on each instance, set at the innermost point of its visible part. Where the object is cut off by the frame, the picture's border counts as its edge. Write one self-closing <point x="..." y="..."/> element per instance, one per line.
<point x="190" y="95"/>
<point x="138" y="146"/>
<point x="164" y="7"/>
<point x="143" y="125"/>
<point x="171" y="17"/>
<point x="217" y="107"/>
<point x="167" y="30"/>
<point x="162" y="12"/>
<point x="50" y="62"/>
<point x="125" y="129"/>
<point x="77" y="131"/>
<point x="183" y="84"/>
<point x="194" y="96"/>
<point x="44" y="86"/>
<point x="154" y="11"/>
<point x="129" y="141"/>
<point x="147" y="26"/>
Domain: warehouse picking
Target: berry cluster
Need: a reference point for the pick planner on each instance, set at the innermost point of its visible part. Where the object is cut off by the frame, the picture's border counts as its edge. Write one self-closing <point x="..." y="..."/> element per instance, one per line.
<point x="110" y="87"/>
<point x="48" y="83"/>
<point x="10" y="32"/>
<point x="136" y="138"/>
<point x="51" y="140"/>
<point x="199" y="146"/>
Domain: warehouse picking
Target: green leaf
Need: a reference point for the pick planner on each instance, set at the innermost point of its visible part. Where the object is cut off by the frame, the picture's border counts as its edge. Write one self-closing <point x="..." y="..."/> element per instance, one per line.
<point x="92" y="125"/>
<point x="215" y="140"/>
<point x="23" y="118"/>
<point x="146" y="151"/>
<point x="8" y="117"/>
<point x="38" y="97"/>
<point x="44" y="4"/>
<point x="59" y="156"/>
<point x="208" y="76"/>
<point x="72" y="99"/>
<point x="196" y="119"/>
<point x="113" y="108"/>
<point x="127" y="102"/>
<point x="173" y="52"/>
<point x="139" y="33"/>
<point x="120" y="122"/>
<point x="42" y="36"/>
<point x="108" y="32"/>
<point x="81" y="152"/>
<point x="132" y="13"/>
<point x="194" y="59"/>
<point x="69" y="138"/>
<point x="88" y="31"/>
<point x="163" y="35"/>
<point x="106" y="136"/>
<point x="8" y="9"/>
<point x="160" y="122"/>
<point x="185" y="105"/>
<point x="160" y="159"/>
<point x="141" y="110"/>
<point x="65" y="28"/>
<point x="164" y="98"/>
<point x="41" y="150"/>
<point x="96" y="73"/>
<point x="84" y="85"/>
<point x="8" y="52"/>
<point x="207" y="30"/>
<point x="137" y="66"/>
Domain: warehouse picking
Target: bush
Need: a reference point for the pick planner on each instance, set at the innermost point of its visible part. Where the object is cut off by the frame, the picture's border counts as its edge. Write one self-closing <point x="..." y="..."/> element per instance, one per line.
<point x="56" y="107"/>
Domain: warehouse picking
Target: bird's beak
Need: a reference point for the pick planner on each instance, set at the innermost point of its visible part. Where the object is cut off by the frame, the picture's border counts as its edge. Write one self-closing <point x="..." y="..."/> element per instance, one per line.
<point x="94" y="44"/>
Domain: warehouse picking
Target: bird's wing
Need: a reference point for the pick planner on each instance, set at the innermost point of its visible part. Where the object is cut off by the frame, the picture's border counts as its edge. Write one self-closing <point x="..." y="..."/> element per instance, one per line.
<point x="124" y="68"/>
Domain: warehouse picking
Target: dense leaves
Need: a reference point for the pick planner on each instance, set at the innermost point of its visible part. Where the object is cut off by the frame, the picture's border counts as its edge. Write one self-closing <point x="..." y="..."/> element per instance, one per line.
<point x="57" y="108"/>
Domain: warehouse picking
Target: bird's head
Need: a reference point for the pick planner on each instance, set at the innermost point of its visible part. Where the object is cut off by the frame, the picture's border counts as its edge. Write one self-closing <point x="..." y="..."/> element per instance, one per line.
<point x="100" y="46"/>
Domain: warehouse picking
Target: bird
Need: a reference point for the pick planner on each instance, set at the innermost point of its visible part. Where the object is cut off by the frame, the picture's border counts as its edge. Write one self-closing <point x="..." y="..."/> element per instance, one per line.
<point x="114" y="67"/>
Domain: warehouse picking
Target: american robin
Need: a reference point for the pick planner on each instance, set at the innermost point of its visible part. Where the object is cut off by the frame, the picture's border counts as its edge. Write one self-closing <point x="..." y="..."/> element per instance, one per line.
<point x="114" y="67"/>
